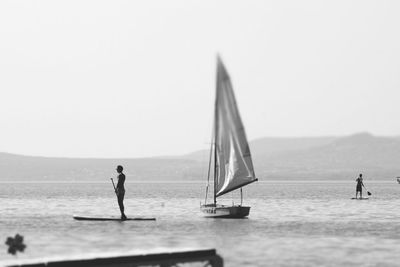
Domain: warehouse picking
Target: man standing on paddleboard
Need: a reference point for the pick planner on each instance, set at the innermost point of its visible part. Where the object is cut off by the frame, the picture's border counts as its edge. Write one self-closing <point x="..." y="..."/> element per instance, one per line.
<point x="359" y="185"/>
<point x="120" y="191"/>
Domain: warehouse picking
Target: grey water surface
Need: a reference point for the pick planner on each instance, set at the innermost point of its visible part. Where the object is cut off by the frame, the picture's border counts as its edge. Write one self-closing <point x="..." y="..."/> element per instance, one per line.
<point x="291" y="223"/>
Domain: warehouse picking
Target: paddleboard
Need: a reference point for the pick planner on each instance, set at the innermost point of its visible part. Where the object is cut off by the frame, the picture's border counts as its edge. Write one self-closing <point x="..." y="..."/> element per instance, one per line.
<point x="364" y="198"/>
<point x="84" y="218"/>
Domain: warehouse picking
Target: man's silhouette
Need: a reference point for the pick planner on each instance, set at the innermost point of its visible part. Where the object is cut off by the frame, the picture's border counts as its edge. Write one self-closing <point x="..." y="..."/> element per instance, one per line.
<point x="120" y="191"/>
<point x="359" y="186"/>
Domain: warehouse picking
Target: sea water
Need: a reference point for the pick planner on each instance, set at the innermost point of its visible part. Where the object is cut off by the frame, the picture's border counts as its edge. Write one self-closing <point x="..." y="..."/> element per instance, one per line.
<point x="291" y="223"/>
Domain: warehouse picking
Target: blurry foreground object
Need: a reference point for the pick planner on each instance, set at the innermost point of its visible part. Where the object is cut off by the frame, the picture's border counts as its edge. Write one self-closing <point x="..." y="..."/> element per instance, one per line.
<point x="207" y="257"/>
<point x="15" y="244"/>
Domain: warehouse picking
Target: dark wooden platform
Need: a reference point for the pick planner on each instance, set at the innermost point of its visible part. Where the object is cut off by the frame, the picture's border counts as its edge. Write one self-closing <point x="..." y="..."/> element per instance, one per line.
<point x="209" y="257"/>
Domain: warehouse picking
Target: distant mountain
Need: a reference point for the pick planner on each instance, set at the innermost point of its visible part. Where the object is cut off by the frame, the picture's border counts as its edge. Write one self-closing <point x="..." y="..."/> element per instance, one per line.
<point x="27" y="168"/>
<point x="272" y="146"/>
<point x="274" y="158"/>
<point x="340" y="158"/>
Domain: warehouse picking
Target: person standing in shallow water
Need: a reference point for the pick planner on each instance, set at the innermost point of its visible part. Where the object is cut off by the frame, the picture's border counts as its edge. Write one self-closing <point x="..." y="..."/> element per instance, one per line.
<point x="120" y="191"/>
<point x="360" y="185"/>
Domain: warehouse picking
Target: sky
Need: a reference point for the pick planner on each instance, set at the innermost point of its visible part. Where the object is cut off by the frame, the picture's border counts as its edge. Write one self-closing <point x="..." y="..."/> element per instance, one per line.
<point x="137" y="78"/>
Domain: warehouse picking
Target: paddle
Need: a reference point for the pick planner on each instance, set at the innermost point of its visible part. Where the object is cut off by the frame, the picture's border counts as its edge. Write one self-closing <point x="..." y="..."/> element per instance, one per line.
<point x="115" y="189"/>
<point x="369" y="193"/>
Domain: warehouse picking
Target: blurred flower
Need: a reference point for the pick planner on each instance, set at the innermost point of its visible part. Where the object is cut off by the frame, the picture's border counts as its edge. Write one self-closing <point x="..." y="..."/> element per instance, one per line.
<point x="15" y="244"/>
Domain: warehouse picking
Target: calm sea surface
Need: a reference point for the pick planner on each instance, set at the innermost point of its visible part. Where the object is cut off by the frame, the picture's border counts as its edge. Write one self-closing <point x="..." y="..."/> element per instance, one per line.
<point x="290" y="223"/>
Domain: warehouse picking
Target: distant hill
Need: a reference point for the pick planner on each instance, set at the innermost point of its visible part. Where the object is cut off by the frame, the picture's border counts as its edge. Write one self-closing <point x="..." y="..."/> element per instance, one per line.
<point x="274" y="158"/>
<point x="341" y="158"/>
<point x="26" y="168"/>
<point x="273" y="145"/>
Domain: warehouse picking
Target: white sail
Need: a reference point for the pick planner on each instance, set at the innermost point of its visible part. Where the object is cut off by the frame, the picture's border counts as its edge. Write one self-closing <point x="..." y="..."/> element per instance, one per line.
<point x="234" y="167"/>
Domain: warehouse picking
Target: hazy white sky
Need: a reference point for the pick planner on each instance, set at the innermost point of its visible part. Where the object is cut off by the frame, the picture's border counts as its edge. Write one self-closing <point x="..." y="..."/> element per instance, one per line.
<point x="137" y="78"/>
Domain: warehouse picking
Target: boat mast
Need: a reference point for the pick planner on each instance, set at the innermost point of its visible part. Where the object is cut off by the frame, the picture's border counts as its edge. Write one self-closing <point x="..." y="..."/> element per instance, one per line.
<point x="209" y="167"/>
<point x="215" y="173"/>
<point x="241" y="197"/>
<point x="216" y="133"/>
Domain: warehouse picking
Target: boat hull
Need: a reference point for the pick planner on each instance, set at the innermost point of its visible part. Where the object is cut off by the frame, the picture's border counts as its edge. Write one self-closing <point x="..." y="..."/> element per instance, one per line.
<point x="228" y="212"/>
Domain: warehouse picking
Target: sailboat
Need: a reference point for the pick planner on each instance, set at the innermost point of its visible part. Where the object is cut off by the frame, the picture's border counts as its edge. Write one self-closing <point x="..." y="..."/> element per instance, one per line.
<point x="230" y="155"/>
